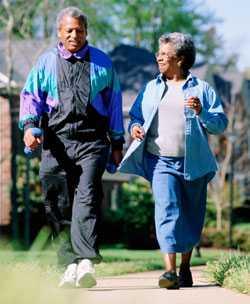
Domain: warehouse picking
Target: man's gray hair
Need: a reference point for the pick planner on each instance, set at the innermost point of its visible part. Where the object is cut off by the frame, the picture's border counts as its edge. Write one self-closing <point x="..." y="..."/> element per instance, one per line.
<point x="184" y="46"/>
<point x="74" y="12"/>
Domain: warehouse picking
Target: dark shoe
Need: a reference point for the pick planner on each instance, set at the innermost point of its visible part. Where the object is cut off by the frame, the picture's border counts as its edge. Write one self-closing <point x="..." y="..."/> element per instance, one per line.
<point x="169" y="280"/>
<point x="185" y="277"/>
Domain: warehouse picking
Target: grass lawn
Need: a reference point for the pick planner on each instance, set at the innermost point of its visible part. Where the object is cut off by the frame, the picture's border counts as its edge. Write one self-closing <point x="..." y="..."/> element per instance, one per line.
<point x="115" y="261"/>
<point x="29" y="277"/>
<point x="120" y="261"/>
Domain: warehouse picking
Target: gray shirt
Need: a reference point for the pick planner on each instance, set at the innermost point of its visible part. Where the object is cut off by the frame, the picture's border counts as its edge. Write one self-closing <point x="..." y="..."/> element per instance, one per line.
<point x="166" y="133"/>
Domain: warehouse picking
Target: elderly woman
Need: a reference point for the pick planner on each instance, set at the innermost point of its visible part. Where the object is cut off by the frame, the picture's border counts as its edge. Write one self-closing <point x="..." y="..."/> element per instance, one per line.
<point x="170" y="121"/>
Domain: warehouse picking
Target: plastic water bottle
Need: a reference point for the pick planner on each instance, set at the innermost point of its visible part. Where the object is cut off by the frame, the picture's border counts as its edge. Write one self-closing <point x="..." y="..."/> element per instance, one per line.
<point x="188" y="112"/>
<point x="36" y="132"/>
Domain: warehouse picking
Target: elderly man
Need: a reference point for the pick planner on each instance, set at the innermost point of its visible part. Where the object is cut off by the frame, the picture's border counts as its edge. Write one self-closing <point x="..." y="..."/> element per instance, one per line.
<point x="73" y="94"/>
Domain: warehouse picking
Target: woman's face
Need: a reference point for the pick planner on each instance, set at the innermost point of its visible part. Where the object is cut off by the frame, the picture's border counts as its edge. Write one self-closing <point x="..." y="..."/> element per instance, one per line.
<point x="167" y="59"/>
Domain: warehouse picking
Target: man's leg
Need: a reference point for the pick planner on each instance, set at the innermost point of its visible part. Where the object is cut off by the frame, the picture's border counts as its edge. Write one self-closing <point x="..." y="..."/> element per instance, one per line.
<point x="58" y="214"/>
<point x="85" y="215"/>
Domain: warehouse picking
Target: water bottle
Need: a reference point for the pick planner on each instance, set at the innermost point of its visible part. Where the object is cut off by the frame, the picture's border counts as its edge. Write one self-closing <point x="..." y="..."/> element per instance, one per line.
<point x="188" y="93"/>
<point x="36" y="132"/>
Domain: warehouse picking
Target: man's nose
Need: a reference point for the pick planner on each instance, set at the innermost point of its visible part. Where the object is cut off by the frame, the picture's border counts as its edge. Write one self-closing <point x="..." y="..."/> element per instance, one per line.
<point x="74" y="34"/>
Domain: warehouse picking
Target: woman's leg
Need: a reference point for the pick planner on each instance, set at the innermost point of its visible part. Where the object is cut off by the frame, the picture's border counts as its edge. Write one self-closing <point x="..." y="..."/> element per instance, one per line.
<point x="185" y="259"/>
<point x="185" y="275"/>
<point x="170" y="262"/>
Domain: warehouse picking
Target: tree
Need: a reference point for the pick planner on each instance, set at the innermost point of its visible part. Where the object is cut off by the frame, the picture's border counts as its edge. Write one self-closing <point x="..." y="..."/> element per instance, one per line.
<point x="141" y="22"/>
<point x="231" y="148"/>
<point x="136" y="22"/>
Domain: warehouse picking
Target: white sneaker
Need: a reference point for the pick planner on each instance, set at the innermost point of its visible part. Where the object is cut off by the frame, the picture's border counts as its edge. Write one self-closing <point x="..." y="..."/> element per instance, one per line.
<point x="68" y="279"/>
<point x="85" y="274"/>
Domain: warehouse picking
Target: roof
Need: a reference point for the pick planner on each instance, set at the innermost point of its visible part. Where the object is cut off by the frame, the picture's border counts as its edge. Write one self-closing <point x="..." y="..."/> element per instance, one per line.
<point x="135" y="67"/>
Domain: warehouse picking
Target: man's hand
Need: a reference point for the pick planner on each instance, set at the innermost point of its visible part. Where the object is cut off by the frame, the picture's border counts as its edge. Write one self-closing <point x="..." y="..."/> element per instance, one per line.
<point x="116" y="156"/>
<point x="30" y="140"/>
<point x="137" y="132"/>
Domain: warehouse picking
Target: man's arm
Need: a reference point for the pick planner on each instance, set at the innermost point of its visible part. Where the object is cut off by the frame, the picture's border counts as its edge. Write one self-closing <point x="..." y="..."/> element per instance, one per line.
<point x="32" y="101"/>
<point x="116" y="129"/>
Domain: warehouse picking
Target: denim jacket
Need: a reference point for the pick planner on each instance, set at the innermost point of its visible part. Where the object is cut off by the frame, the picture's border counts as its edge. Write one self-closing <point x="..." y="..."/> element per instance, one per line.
<point x="198" y="158"/>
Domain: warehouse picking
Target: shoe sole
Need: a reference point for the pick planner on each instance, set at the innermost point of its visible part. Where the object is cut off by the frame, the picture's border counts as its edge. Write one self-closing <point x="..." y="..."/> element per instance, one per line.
<point x="168" y="284"/>
<point x="87" y="281"/>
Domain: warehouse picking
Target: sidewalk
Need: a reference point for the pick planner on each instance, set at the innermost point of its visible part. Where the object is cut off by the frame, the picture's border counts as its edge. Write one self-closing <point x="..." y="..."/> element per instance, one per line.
<point x="142" y="288"/>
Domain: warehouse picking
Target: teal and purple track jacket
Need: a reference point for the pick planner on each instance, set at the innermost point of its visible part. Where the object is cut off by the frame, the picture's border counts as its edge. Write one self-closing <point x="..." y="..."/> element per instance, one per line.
<point x="40" y="93"/>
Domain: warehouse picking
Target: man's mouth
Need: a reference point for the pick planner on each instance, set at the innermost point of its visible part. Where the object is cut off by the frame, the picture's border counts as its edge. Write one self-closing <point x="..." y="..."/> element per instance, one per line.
<point x="73" y="42"/>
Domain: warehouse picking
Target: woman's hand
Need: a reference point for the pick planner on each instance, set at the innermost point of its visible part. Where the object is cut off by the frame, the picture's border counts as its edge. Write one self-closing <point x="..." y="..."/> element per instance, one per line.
<point x="137" y="132"/>
<point x="193" y="103"/>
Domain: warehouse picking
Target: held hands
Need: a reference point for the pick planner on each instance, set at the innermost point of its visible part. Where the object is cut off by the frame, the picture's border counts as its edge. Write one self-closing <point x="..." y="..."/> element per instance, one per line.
<point x="193" y="103"/>
<point x="137" y="132"/>
<point x="30" y="140"/>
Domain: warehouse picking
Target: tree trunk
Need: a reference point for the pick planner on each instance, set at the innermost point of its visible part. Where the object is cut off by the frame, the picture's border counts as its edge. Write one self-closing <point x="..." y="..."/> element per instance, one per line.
<point x="218" y="216"/>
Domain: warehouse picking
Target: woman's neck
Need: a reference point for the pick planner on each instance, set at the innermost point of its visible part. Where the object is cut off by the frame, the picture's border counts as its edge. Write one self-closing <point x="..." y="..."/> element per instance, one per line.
<point x="177" y="77"/>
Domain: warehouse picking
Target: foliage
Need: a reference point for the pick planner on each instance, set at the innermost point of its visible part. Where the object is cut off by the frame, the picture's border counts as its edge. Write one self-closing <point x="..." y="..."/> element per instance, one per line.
<point x="112" y="226"/>
<point x="24" y="14"/>
<point x="136" y="22"/>
<point x="242" y="227"/>
<point x="112" y="256"/>
<point x="34" y="185"/>
<point x="137" y="211"/>
<point x="210" y="218"/>
<point x="143" y="21"/>
<point x="219" y="239"/>
<point x="232" y="271"/>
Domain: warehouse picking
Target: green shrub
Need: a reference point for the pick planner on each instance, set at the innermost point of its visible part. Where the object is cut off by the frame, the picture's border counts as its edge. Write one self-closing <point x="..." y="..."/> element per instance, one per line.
<point x="232" y="271"/>
<point x="111" y="230"/>
<point x="210" y="218"/>
<point x="219" y="239"/>
<point x="137" y="211"/>
<point x="34" y="187"/>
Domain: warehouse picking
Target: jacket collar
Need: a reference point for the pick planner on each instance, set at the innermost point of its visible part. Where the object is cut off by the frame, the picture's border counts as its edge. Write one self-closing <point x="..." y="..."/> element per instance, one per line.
<point x="190" y="81"/>
<point x="80" y="54"/>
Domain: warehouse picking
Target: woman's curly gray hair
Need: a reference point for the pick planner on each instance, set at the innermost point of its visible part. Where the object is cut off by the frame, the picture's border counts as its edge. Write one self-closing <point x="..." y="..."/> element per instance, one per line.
<point x="184" y="46"/>
<point x="74" y="12"/>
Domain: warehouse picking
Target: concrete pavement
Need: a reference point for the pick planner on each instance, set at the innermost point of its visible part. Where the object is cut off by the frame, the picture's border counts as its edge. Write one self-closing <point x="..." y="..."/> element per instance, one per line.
<point x="142" y="288"/>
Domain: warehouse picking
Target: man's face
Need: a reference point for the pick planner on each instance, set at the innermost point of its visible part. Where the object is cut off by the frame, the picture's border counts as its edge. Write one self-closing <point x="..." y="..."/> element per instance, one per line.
<point x="166" y="58"/>
<point x="72" y="33"/>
